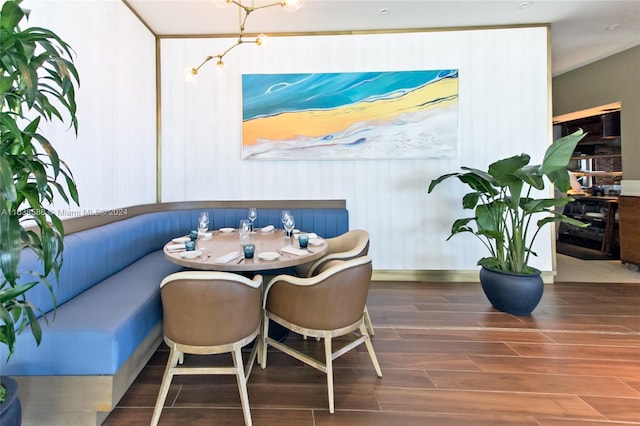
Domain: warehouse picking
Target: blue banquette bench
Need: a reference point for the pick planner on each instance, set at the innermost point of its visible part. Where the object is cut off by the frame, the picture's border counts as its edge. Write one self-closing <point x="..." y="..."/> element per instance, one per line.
<point x="108" y="321"/>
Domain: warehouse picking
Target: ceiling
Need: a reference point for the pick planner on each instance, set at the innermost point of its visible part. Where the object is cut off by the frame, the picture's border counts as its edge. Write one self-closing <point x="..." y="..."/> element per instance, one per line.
<point x="579" y="28"/>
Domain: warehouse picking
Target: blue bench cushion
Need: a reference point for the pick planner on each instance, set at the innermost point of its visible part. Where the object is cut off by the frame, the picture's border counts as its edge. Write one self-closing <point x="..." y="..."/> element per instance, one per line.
<point x="96" y="332"/>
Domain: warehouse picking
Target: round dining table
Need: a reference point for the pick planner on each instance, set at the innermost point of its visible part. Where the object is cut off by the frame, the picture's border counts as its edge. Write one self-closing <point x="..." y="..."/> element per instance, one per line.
<point x="273" y="250"/>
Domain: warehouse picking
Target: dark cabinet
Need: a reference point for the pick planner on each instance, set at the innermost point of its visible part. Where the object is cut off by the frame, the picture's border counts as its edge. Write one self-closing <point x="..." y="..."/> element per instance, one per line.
<point x="596" y="163"/>
<point x="597" y="160"/>
<point x="603" y="231"/>
<point x="630" y="231"/>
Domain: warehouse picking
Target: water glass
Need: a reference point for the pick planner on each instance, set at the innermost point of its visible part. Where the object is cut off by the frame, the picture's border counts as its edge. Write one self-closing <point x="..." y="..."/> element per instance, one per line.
<point x="190" y="245"/>
<point x="303" y="240"/>
<point x="203" y="222"/>
<point x="193" y="235"/>
<point x="244" y="231"/>
<point x="249" y="250"/>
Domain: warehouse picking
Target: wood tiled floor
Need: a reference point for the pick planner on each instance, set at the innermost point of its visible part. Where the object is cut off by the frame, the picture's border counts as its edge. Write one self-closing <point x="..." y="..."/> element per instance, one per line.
<point x="447" y="357"/>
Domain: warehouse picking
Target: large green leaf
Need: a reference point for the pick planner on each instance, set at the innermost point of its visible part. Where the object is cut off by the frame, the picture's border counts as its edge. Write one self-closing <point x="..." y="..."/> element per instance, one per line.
<point x="503" y="170"/>
<point x="488" y="216"/>
<point x="532" y="176"/>
<point x="5" y="84"/>
<point x="541" y="205"/>
<point x="7" y="185"/>
<point x="560" y="178"/>
<point x="10" y="16"/>
<point x="10" y="243"/>
<point x="479" y="181"/>
<point x="436" y="182"/>
<point x="10" y="293"/>
<point x="559" y="153"/>
<point x="470" y="200"/>
<point x="30" y="79"/>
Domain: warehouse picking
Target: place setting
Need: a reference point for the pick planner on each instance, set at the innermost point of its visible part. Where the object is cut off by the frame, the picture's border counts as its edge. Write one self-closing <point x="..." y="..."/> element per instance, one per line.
<point x="247" y="247"/>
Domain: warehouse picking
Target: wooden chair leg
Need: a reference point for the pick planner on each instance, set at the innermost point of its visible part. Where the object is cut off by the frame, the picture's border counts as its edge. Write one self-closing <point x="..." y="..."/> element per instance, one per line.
<point x="255" y="350"/>
<point x="367" y="321"/>
<point x="328" y="354"/>
<point x="242" y="385"/>
<point x="372" y="354"/>
<point x="263" y="342"/>
<point x="174" y="356"/>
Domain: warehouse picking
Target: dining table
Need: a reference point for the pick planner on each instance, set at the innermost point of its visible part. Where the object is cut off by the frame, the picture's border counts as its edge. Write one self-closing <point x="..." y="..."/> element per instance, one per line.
<point x="221" y="250"/>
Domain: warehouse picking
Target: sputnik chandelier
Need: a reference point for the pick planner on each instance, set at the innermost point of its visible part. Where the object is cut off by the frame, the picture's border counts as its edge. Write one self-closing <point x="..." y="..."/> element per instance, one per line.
<point x="244" y="10"/>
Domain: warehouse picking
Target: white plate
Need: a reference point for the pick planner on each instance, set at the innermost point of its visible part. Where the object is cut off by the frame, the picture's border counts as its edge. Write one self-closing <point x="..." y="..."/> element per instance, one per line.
<point x="191" y="254"/>
<point x="315" y="241"/>
<point x="180" y="240"/>
<point x="268" y="255"/>
<point x="595" y="214"/>
<point x="268" y="228"/>
<point x="226" y="230"/>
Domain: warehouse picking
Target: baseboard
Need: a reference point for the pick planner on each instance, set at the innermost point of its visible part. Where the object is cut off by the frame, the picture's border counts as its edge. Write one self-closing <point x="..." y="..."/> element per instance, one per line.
<point x="81" y="400"/>
<point x="439" y="276"/>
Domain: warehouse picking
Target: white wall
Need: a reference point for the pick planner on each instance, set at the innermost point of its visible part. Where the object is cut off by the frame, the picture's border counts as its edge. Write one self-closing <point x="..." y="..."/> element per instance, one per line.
<point x="503" y="110"/>
<point x="113" y="158"/>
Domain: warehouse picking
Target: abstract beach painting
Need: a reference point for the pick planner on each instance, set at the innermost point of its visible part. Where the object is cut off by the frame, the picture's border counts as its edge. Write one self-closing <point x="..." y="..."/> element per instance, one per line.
<point x="355" y="115"/>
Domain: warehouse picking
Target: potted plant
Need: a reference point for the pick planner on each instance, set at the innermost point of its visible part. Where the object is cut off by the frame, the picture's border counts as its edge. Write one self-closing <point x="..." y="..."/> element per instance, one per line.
<point x="507" y="219"/>
<point x="37" y="83"/>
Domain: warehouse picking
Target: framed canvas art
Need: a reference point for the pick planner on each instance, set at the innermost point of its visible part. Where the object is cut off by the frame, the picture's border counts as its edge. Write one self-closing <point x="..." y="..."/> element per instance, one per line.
<point x="356" y="115"/>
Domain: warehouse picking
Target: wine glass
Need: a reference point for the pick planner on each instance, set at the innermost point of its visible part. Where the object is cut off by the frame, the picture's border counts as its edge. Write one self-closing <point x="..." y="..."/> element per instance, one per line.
<point x="203" y="222"/>
<point x="253" y="215"/>
<point x="289" y="225"/>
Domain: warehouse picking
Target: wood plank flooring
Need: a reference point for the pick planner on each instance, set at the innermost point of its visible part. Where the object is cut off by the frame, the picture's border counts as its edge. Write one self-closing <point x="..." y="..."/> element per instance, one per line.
<point x="448" y="358"/>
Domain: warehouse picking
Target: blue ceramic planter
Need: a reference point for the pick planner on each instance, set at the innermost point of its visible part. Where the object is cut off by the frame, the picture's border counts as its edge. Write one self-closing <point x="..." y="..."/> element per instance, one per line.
<point x="10" y="409"/>
<point x="516" y="294"/>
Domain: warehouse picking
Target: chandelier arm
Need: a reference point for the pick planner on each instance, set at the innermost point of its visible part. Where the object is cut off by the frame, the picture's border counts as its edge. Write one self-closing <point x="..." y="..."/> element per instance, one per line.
<point x="207" y="59"/>
<point x="236" y="44"/>
<point x="247" y="9"/>
<point x="264" y="6"/>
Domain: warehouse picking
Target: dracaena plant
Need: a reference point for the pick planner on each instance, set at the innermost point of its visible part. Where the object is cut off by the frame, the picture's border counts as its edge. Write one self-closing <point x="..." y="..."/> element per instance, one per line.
<point x="37" y="84"/>
<point x="507" y="218"/>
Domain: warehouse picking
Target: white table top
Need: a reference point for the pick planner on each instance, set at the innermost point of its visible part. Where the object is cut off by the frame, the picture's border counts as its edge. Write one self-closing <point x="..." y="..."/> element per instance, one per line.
<point x="221" y="244"/>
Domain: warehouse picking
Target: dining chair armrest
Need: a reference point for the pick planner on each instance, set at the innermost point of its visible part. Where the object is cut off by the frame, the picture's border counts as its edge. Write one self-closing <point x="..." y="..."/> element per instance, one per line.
<point x="213" y="275"/>
<point x="311" y="281"/>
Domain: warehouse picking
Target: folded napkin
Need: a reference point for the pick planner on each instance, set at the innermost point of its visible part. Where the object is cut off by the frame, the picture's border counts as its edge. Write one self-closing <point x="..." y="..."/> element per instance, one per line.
<point x="310" y="235"/>
<point x="293" y="250"/>
<point x="175" y="247"/>
<point x="227" y="257"/>
<point x="267" y="228"/>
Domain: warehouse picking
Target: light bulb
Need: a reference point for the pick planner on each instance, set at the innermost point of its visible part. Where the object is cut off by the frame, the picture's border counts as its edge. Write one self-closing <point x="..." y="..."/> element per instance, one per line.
<point x="291" y="5"/>
<point x="221" y="3"/>
<point x="262" y="40"/>
<point x="220" y="64"/>
<point x="190" y="75"/>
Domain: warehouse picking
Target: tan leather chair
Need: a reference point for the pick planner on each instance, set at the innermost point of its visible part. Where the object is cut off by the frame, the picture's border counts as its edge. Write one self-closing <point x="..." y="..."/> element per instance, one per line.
<point x="208" y="313"/>
<point x="349" y="245"/>
<point x="327" y="305"/>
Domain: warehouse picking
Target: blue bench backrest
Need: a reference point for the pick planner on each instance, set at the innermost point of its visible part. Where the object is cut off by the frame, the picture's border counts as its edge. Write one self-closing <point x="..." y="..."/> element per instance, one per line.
<point x="95" y="254"/>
